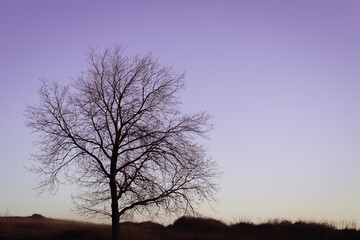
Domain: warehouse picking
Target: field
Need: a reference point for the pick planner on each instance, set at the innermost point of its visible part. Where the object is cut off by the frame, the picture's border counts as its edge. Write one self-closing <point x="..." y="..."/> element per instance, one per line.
<point x="39" y="227"/>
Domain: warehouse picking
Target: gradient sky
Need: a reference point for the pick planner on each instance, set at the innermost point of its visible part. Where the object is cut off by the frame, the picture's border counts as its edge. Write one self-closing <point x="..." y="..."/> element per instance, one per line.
<point x="282" y="79"/>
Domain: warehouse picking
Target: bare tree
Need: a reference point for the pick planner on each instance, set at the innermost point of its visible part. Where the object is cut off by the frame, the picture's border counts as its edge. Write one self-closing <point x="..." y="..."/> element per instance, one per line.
<point x="118" y="132"/>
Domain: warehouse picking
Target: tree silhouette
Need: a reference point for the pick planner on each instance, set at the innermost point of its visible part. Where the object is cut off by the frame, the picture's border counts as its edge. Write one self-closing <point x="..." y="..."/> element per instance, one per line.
<point x="118" y="132"/>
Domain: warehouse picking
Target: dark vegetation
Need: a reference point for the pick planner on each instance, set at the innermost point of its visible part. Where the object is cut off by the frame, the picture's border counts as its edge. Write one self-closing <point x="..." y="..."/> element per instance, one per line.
<point x="39" y="227"/>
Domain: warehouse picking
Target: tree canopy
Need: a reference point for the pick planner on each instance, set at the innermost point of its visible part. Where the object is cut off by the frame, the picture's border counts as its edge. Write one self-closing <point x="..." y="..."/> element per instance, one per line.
<point x="119" y="133"/>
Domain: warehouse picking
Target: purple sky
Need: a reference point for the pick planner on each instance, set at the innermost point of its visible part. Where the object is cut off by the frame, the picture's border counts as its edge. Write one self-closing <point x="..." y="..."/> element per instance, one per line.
<point x="282" y="79"/>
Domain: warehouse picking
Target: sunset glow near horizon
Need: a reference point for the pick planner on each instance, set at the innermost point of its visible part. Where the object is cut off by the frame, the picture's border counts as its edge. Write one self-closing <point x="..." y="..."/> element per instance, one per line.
<point x="281" y="78"/>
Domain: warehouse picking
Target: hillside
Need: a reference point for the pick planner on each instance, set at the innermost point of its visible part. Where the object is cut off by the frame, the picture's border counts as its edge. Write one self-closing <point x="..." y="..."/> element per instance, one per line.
<point x="38" y="227"/>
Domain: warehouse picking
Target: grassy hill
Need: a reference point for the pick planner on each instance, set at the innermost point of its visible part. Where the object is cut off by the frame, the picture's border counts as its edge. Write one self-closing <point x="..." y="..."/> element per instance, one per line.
<point x="38" y="227"/>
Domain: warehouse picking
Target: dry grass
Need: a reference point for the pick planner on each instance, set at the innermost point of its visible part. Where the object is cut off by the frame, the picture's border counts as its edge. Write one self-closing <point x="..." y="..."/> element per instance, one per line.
<point x="40" y="228"/>
<point x="37" y="227"/>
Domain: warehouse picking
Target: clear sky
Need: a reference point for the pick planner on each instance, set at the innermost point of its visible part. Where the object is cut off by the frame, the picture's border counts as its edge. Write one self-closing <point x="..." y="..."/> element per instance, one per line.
<point x="282" y="79"/>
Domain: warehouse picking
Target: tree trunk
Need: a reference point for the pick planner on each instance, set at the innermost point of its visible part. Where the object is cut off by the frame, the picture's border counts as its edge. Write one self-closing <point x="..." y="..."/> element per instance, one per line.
<point x="115" y="228"/>
<point x="114" y="211"/>
<point x="115" y="217"/>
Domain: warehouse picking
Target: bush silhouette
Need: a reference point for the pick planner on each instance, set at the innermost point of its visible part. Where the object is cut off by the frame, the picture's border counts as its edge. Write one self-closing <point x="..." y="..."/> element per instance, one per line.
<point x="192" y="224"/>
<point x="37" y="216"/>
